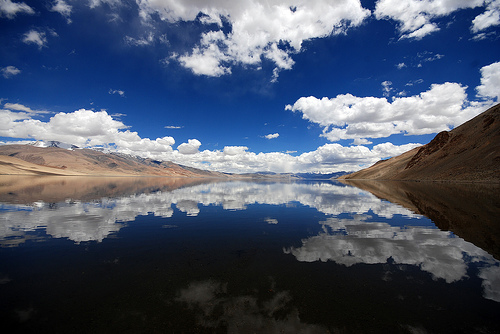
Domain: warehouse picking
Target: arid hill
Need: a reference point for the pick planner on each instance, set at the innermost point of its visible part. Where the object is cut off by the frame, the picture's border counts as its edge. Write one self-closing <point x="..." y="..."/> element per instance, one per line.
<point x="470" y="152"/>
<point x="31" y="160"/>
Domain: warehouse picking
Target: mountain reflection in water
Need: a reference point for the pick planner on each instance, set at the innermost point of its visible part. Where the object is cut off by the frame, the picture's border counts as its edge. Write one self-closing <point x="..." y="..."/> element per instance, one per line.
<point x="196" y="255"/>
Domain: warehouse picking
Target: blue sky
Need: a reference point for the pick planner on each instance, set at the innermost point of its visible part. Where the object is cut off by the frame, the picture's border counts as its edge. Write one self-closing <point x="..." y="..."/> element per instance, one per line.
<point x="283" y="86"/>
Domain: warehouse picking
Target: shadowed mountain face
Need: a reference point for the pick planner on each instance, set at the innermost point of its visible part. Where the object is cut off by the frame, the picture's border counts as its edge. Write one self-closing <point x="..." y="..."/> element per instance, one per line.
<point x="470" y="210"/>
<point x="31" y="160"/>
<point x="470" y="152"/>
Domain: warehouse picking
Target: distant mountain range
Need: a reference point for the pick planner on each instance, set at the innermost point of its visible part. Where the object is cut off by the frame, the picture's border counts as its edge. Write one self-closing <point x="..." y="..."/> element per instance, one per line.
<point x="56" y="158"/>
<point x="470" y="152"/>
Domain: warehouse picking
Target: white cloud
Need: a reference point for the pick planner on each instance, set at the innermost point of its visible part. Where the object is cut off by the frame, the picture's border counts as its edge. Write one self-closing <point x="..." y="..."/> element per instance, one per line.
<point x="401" y="66"/>
<point x="416" y="17"/>
<point x="350" y="117"/>
<point x="235" y="150"/>
<point x="259" y="28"/>
<point x="35" y="37"/>
<point x="117" y="91"/>
<point x="84" y="128"/>
<point x="21" y="107"/>
<point x="191" y="147"/>
<point x="143" y="41"/>
<point x="442" y="107"/>
<point x="272" y="136"/>
<point x="10" y="9"/>
<point x="10" y="71"/>
<point x="386" y="88"/>
<point x="97" y="3"/>
<point x="61" y="7"/>
<point x="490" y="82"/>
<point x="491" y="17"/>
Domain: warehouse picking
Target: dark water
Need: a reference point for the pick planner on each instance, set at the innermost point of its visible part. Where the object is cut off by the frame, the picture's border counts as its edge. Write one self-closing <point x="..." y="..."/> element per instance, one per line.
<point x="139" y="255"/>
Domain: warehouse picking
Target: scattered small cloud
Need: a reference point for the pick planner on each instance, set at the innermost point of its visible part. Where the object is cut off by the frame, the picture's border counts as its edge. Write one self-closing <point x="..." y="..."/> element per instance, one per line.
<point x="272" y="136"/>
<point x="386" y="88"/>
<point x="143" y="41"/>
<point x="61" y="7"/>
<point x="10" y="71"/>
<point x="35" y="37"/>
<point x="401" y="66"/>
<point x="117" y="91"/>
<point x="414" y="82"/>
<point x="271" y="221"/>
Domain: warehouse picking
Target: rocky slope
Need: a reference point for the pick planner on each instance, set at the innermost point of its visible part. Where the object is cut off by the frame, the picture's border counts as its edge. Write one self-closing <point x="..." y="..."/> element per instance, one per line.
<point x="470" y="152"/>
<point x="32" y="160"/>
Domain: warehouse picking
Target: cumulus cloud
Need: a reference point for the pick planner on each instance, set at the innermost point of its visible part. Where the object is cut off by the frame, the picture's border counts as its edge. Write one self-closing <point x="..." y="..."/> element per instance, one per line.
<point x="417" y="18"/>
<point x="191" y="147"/>
<point x="442" y="107"/>
<point x="272" y="136"/>
<point x="10" y="71"/>
<point x="10" y="9"/>
<point x="350" y="117"/>
<point x="490" y="18"/>
<point x="271" y="30"/>
<point x="35" y="37"/>
<point x="490" y="82"/>
<point x="84" y="128"/>
<point x="61" y="7"/>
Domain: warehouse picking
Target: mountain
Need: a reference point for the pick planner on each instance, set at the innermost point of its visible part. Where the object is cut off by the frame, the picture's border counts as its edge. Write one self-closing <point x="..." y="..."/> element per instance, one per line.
<point x="470" y="152"/>
<point x="54" y="160"/>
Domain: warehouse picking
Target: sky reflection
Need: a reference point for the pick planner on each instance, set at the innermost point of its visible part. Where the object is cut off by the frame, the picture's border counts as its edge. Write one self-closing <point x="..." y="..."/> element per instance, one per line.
<point x="357" y="227"/>
<point x="97" y="219"/>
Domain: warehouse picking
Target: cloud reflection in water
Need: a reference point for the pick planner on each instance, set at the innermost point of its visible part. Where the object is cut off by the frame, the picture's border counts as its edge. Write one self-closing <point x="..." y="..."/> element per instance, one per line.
<point x="357" y="240"/>
<point x="94" y="221"/>
<point x="366" y="236"/>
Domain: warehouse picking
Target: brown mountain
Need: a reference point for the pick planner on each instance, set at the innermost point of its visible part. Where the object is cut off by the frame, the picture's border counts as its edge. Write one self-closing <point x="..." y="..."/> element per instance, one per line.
<point x="470" y="152"/>
<point x="31" y="160"/>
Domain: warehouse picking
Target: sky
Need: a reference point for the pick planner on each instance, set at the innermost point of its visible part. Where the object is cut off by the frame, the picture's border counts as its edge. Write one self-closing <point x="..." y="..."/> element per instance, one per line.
<point x="246" y="86"/>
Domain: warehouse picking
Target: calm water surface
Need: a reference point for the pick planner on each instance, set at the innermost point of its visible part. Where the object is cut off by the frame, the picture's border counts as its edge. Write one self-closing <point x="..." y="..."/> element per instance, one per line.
<point x="145" y="255"/>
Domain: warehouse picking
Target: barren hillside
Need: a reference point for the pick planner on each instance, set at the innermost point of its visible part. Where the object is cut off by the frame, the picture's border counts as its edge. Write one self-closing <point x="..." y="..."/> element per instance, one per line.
<point x="470" y="152"/>
<point x="31" y="160"/>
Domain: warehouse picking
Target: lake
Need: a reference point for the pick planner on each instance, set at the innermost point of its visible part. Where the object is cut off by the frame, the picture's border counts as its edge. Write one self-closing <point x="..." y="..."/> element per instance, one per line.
<point x="146" y="255"/>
